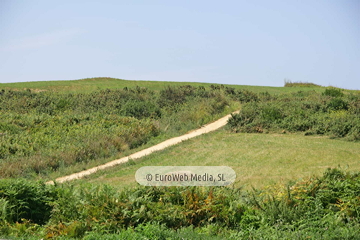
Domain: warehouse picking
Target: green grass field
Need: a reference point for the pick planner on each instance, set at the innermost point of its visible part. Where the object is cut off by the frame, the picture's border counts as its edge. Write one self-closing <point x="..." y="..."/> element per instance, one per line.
<point x="92" y="84"/>
<point x="258" y="159"/>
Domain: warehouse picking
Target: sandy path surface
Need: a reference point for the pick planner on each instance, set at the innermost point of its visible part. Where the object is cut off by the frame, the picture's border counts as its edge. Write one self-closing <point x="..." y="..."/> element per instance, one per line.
<point x="172" y="141"/>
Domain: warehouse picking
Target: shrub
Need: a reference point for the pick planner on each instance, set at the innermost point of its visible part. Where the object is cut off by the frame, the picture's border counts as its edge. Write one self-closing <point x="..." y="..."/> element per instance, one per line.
<point x="171" y="96"/>
<point x="141" y="109"/>
<point x="245" y="96"/>
<point x="245" y="117"/>
<point x="271" y="114"/>
<point x="341" y="124"/>
<point x="337" y="104"/>
<point x="25" y="200"/>
<point x="333" y="92"/>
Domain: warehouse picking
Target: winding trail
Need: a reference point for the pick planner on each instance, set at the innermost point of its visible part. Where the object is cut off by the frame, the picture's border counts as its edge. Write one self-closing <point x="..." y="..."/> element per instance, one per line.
<point x="172" y="141"/>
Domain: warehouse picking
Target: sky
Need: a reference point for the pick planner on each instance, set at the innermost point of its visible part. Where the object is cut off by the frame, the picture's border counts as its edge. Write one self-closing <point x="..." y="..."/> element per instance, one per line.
<point x="229" y="42"/>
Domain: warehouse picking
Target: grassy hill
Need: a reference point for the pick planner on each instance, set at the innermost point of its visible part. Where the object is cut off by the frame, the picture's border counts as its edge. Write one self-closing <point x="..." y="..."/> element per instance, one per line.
<point x="53" y="128"/>
<point x="292" y="133"/>
<point x="93" y="84"/>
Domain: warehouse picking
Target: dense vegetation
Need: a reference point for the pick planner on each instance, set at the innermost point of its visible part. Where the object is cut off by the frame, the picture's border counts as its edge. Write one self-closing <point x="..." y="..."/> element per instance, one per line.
<point x="327" y="207"/>
<point x="332" y="113"/>
<point x="43" y="132"/>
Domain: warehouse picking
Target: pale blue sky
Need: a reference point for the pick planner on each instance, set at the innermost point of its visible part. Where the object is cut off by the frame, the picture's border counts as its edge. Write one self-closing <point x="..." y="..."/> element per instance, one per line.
<point x="230" y="42"/>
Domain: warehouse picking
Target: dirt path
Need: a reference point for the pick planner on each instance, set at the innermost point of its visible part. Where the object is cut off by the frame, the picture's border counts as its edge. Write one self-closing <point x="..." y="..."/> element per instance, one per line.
<point x="172" y="141"/>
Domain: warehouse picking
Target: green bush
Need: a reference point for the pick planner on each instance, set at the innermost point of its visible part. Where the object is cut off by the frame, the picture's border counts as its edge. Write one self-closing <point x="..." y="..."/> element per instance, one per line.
<point x="21" y="199"/>
<point x="245" y="96"/>
<point x="271" y="114"/>
<point x="141" y="109"/>
<point x="333" y="92"/>
<point x="244" y="121"/>
<point x="171" y="96"/>
<point x="337" y="104"/>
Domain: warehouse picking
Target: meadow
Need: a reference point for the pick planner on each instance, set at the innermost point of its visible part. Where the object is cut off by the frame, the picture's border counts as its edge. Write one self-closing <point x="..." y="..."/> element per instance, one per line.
<point x="259" y="160"/>
<point x="295" y="150"/>
<point x="102" y="83"/>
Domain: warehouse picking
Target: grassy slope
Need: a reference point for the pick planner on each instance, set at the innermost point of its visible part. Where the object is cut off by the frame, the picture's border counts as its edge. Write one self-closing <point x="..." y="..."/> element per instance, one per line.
<point x="91" y="84"/>
<point x="258" y="159"/>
